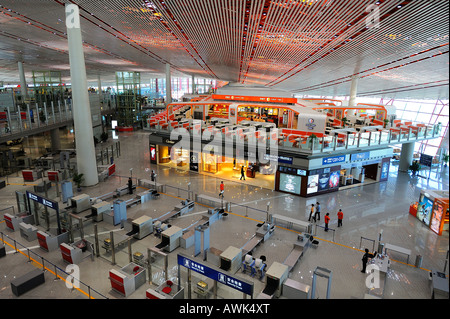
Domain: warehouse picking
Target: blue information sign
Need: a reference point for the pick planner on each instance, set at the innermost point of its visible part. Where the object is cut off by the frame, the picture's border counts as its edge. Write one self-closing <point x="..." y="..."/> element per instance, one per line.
<point x="216" y="275"/>
<point x="360" y="156"/>
<point x="333" y="160"/>
<point x="43" y="201"/>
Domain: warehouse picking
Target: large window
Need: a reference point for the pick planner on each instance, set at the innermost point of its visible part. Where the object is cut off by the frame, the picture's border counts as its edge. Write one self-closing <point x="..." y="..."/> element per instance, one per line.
<point x="429" y="112"/>
<point x="180" y="87"/>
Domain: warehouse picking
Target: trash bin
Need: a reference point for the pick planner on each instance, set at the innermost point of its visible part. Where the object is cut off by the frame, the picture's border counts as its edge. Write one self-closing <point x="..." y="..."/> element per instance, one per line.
<point x="419" y="260"/>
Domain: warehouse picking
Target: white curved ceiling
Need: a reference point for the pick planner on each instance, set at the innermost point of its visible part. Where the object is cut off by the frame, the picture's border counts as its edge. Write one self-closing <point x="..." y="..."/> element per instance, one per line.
<point x="310" y="47"/>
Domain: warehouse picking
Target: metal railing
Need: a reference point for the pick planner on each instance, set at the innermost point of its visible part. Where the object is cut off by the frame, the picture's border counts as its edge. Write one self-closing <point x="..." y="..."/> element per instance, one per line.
<point x="327" y="143"/>
<point x="33" y="117"/>
<point x="47" y="265"/>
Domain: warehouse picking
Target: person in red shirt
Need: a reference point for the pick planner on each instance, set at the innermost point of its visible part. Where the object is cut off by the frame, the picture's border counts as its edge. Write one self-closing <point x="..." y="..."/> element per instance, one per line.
<point x="340" y="215"/>
<point x="327" y="220"/>
<point x="222" y="187"/>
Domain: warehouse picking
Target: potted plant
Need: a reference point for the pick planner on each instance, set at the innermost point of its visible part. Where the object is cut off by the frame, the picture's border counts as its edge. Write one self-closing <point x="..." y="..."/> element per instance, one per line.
<point x="312" y="139"/>
<point x="414" y="168"/>
<point x="386" y="122"/>
<point x="445" y="159"/>
<point x="78" y="179"/>
<point x="344" y="121"/>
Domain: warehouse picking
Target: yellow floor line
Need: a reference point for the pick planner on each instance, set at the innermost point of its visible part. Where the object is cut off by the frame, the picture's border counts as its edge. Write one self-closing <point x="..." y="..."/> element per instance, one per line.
<point x="328" y="241"/>
<point x="18" y="184"/>
<point x="259" y="221"/>
<point x="40" y="266"/>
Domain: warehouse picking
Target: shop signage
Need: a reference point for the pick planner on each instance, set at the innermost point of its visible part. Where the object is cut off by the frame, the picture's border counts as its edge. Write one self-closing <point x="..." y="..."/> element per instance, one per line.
<point x="169" y="141"/>
<point x="219" y="276"/>
<point x="333" y="160"/>
<point x="42" y="200"/>
<point x="278" y="158"/>
<point x="254" y="98"/>
<point x="292" y="170"/>
<point x="310" y="125"/>
<point x="359" y="156"/>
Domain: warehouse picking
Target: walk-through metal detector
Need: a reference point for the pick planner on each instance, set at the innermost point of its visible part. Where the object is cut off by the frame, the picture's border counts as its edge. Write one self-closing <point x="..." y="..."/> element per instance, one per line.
<point x="201" y="239"/>
<point x="321" y="272"/>
<point x="47" y="203"/>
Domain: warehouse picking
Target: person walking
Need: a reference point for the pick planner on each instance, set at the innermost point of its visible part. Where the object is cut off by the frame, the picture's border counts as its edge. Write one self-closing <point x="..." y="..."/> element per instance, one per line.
<point x="222" y="188"/>
<point x="317" y="214"/>
<point x="130" y="186"/>
<point x="365" y="259"/>
<point x="242" y="173"/>
<point x="312" y="213"/>
<point x="340" y="216"/>
<point x="152" y="175"/>
<point x="327" y="220"/>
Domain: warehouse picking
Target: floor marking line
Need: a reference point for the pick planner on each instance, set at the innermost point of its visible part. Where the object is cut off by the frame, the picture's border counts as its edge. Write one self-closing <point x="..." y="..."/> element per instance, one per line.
<point x="49" y="270"/>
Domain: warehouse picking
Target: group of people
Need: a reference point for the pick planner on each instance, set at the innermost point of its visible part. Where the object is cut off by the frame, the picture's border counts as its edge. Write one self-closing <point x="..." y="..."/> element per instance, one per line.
<point x="315" y="215"/>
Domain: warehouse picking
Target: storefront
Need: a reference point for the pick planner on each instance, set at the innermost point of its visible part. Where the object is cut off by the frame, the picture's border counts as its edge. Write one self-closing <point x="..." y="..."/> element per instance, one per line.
<point x="365" y="168"/>
<point x="256" y="173"/>
<point x="226" y="166"/>
<point x="307" y="176"/>
<point x="161" y="154"/>
<point x="432" y="210"/>
<point x="307" y="182"/>
<point x="315" y="176"/>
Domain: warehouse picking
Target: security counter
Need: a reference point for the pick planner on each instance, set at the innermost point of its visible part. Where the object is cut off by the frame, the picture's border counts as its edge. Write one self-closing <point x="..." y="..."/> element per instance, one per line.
<point x="127" y="279"/>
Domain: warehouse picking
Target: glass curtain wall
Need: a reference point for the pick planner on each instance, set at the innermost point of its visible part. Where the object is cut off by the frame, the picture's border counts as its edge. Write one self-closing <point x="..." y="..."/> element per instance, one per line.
<point x="180" y="86"/>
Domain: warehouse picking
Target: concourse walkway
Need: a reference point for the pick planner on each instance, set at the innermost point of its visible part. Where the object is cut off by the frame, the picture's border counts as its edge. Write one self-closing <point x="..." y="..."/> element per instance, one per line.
<point x="368" y="209"/>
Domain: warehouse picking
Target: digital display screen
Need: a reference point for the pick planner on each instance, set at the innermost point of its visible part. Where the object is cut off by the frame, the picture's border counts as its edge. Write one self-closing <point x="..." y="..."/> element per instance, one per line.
<point x="290" y="183"/>
<point x="334" y="179"/>
<point x="323" y="181"/>
<point x="153" y="154"/>
<point x="313" y="184"/>
<point x="424" y="210"/>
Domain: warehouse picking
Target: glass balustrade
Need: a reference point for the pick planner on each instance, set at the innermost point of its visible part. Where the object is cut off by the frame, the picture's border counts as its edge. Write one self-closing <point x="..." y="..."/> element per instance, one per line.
<point x="32" y="117"/>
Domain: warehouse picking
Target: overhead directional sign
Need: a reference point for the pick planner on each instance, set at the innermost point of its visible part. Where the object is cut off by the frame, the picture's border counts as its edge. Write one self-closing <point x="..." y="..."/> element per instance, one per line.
<point x="43" y="200"/>
<point x="219" y="276"/>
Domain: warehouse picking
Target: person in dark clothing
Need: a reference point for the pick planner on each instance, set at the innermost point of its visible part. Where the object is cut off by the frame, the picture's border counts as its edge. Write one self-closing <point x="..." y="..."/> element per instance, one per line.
<point x="242" y="173"/>
<point x="317" y="214"/>
<point x="152" y="176"/>
<point x="130" y="186"/>
<point x="365" y="259"/>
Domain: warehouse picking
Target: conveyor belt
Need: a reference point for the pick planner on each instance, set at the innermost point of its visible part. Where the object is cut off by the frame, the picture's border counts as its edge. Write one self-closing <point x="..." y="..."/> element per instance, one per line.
<point x="269" y="290"/>
<point x="133" y="201"/>
<point x="167" y="216"/>
<point x="251" y="244"/>
<point x="293" y="257"/>
<point x="131" y="233"/>
<point x="161" y="245"/>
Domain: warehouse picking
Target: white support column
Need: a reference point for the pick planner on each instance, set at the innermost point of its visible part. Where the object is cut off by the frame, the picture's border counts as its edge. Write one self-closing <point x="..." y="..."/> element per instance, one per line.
<point x="193" y="84"/>
<point x="100" y="93"/>
<point x="168" y="85"/>
<point x="353" y="92"/>
<point x="23" y="82"/>
<point x="86" y="160"/>
<point x="406" y="156"/>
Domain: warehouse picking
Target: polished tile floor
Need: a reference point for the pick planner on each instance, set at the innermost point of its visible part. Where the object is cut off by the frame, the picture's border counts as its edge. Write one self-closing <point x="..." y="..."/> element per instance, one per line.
<point x="368" y="210"/>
